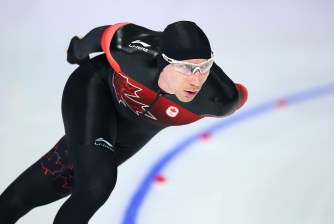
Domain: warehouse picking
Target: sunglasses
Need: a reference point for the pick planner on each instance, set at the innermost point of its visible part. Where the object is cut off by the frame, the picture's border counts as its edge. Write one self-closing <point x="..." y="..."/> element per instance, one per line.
<point x="188" y="68"/>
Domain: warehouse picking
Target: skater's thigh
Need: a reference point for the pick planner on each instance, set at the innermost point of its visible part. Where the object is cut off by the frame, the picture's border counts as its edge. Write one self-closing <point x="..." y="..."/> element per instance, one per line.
<point x="58" y="169"/>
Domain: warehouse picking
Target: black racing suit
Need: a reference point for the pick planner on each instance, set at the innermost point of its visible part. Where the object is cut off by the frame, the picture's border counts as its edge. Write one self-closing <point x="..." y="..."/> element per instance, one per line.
<point x="112" y="106"/>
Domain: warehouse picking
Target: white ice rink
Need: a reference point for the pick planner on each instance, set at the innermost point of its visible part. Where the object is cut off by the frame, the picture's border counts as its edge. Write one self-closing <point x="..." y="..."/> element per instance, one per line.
<point x="274" y="167"/>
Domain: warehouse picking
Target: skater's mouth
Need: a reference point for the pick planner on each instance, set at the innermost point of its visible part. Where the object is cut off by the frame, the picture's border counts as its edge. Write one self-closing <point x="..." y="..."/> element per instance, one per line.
<point x="190" y="93"/>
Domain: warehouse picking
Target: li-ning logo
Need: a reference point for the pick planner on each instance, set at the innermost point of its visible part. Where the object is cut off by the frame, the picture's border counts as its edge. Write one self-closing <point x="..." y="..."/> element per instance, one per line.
<point x="139" y="47"/>
<point x="172" y="111"/>
<point x="103" y="143"/>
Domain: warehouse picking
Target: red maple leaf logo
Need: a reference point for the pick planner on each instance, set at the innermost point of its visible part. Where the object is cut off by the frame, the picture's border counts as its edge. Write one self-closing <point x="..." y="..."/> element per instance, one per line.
<point x="127" y="94"/>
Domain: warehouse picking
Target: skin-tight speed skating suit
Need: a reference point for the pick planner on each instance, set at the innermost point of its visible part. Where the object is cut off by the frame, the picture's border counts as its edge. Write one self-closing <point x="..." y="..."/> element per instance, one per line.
<point x="112" y="106"/>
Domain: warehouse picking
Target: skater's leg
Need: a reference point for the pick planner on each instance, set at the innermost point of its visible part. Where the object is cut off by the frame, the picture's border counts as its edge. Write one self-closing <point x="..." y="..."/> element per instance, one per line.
<point x="90" y="120"/>
<point x="31" y="189"/>
<point x="95" y="178"/>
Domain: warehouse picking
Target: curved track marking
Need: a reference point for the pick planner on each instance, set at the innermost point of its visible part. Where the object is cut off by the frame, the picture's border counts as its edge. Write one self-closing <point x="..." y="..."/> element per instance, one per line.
<point x="139" y="196"/>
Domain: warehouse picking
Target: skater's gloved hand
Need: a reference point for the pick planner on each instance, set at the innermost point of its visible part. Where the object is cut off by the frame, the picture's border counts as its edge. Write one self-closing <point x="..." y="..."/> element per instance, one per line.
<point x="76" y="53"/>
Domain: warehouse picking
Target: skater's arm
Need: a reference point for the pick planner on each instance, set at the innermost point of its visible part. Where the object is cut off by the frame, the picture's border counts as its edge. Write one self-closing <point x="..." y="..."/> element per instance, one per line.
<point x="80" y="48"/>
<point x="233" y="95"/>
<point x="243" y="95"/>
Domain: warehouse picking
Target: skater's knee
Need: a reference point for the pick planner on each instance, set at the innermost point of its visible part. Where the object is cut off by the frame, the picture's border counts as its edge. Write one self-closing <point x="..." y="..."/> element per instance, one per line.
<point x="96" y="192"/>
<point x="11" y="201"/>
<point x="12" y="207"/>
<point x="95" y="172"/>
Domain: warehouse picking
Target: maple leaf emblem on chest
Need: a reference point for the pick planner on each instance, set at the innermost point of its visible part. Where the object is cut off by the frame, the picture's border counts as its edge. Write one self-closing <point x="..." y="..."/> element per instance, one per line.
<point x="129" y="95"/>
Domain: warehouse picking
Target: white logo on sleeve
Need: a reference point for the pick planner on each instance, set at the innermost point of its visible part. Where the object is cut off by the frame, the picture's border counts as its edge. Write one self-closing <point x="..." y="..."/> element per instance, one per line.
<point x="140" y="42"/>
<point x="143" y="44"/>
<point x="103" y="143"/>
<point x="172" y="111"/>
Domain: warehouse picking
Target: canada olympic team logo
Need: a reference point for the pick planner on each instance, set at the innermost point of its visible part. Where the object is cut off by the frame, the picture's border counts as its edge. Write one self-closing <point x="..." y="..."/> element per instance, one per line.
<point x="172" y="111"/>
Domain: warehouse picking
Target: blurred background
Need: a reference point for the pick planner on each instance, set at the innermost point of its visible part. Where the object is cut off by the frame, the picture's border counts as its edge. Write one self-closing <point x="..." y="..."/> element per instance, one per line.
<point x="275" y="167"/>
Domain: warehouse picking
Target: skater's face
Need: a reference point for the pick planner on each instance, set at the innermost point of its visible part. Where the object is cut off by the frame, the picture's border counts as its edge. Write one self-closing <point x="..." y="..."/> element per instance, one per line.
<point x="184" y="85"/>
